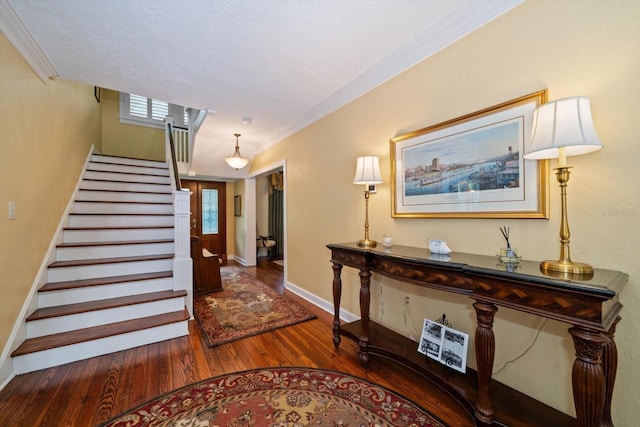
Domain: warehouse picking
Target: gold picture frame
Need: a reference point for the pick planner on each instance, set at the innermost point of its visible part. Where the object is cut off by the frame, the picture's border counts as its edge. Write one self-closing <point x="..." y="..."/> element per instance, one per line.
<point x="471" y="166"/>
<point x="237" y="205"/>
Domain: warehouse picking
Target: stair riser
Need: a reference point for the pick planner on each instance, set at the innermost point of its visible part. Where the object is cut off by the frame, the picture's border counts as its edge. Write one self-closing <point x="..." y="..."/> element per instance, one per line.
<point x="98" y="292"/>
<point x="113" y="251"/>
<point x="64" y="274"/>
<point x="111" y="167"/>
<point x="54" y="325"/>
<point x="125" y="186"/>
<point x="125" y="177"/>
<point x="59" y="356"/>
<point x="115" y="196"/>
<point x="138" y="196"/>
<point x="122" y="208"/>
<point x="120" y="220"/>
<point x="116" y="235"/>
<point x="127" y="161"/>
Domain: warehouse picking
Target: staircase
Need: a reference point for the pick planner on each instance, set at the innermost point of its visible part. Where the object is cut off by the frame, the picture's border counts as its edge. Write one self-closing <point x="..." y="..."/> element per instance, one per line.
<point x="111" y="285"/>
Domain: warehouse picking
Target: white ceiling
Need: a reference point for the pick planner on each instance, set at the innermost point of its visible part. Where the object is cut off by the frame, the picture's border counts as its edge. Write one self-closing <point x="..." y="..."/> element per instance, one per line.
<point x="284" y="63"/>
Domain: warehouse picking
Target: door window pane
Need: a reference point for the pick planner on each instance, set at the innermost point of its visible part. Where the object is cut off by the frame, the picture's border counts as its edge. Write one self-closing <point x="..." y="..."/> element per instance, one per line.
<point x="209" y="211"/>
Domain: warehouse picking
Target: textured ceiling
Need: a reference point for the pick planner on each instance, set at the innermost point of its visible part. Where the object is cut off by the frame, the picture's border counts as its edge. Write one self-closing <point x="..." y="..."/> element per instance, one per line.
<point x="284" y="63"/>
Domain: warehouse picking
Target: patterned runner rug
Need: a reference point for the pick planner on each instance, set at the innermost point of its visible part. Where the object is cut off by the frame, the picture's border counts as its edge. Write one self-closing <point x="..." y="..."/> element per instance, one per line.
<point x="244" y="308"/>
<point x="279" y="397"/>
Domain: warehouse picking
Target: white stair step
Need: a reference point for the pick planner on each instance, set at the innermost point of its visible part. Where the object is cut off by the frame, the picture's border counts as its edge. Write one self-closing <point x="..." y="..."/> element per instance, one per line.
<point x="111" y="220"/>
<point x="132" y="169"/>
<point x="122" y="208"/>
<point x="126" y="177"/>
<point x="123" y="196"/>
<point x="75" y="251"/>
<point x="60" y="355"/>
<point x="128" y="161"/>
<point x="63" y="271"/>
<point x="77" y="235"/>
<point x="99" y="317"/>
<point x="93" y="184"/>
<point x="74" y="295"/>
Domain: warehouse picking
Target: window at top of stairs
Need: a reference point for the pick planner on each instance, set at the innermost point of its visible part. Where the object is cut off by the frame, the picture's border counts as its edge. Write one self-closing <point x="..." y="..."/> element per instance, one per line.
<point x="143" y="111"/>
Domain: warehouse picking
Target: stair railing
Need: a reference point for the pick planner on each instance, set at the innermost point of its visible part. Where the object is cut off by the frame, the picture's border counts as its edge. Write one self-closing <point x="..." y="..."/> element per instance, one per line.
<point x="182" y="263"/>
<point x="171" y="152"/>
<point x="181" y="137"/>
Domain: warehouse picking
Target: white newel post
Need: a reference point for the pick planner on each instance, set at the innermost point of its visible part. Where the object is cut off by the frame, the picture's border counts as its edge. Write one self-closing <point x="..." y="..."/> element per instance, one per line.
<point x="182" y="263"/>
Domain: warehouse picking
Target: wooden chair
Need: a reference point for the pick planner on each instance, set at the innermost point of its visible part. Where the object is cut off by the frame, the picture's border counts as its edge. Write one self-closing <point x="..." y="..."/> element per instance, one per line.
<point x="206" y="269"/>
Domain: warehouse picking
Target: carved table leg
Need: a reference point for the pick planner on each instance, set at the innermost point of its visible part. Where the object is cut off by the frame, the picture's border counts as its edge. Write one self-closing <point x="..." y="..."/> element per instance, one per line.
<point x="337" y="295"/>
<point x="609" y="368"/>
<point x="588" y="377"/>
<point x="365" y="279"/>
<point x="485" y="353"/>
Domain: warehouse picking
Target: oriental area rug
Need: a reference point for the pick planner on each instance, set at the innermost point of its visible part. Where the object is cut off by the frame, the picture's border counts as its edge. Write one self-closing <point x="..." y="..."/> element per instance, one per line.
<point x="245" y="307"/>
<point x="293" y="397"/>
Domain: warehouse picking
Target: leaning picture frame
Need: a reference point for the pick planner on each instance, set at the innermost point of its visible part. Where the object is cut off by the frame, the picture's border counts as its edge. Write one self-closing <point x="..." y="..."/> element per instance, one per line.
<point x="471" y="166"/>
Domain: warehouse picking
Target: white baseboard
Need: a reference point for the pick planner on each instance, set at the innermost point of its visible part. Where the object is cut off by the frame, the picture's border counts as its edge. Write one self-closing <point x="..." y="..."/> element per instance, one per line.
<point x="238" y="259"/>
<point x="321" y="303"/>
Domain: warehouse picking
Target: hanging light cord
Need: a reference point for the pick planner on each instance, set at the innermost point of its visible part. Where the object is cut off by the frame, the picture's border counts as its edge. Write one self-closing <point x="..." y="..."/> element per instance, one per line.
<point x="408" y="321"/>
<point x="524" y="352"/>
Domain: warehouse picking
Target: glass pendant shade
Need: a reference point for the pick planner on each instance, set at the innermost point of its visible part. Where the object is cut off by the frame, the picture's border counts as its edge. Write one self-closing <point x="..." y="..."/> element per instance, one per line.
<point x="237" y="161"/>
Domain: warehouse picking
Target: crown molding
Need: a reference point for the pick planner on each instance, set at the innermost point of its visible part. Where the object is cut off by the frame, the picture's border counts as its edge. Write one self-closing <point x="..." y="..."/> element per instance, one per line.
<point x="471" y="16"/>
<point x="16" y="32"/>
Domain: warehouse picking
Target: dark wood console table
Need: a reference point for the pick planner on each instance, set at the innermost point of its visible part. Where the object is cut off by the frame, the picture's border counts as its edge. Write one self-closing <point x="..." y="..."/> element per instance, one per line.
<point x="590" y="306"/>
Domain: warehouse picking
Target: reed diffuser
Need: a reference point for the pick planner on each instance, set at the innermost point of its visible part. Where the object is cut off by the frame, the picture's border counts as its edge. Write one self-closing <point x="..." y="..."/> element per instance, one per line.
<point x="510" y="254"/>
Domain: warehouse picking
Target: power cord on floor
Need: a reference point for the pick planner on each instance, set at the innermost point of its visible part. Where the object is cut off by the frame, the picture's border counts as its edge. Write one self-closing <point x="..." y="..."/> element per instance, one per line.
<point x="408" y="320"/>
<point x="525" y="351"/>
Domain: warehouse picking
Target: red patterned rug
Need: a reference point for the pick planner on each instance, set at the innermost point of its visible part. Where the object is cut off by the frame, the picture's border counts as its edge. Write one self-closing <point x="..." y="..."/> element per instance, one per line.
<point x="293" y="397"/>
<point x="245" y="307"/>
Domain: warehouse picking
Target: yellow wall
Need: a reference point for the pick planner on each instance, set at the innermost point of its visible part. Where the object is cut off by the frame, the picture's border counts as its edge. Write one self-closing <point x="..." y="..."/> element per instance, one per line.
<point x="240" y="230"/>
<point x="46" y="132"/>
<point x="589" y="48"/>
<point x="121" y="139"/>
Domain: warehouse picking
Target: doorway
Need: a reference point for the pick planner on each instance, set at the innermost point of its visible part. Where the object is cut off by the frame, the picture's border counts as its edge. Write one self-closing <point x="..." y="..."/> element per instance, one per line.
<point x="270" y="214"/>
<point x="208" y="215"/>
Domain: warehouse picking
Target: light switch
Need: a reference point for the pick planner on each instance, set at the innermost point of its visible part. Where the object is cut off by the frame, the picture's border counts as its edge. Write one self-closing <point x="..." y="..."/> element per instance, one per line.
<point x="12" y="210"/>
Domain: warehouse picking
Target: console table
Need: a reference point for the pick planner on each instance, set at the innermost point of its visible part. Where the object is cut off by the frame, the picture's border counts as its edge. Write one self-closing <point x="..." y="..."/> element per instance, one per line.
<point x="590" y="306"/>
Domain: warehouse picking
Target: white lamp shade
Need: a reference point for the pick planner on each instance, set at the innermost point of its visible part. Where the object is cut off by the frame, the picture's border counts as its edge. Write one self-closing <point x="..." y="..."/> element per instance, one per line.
<point x="368" y="171"/>
<point x="565" y="123"/>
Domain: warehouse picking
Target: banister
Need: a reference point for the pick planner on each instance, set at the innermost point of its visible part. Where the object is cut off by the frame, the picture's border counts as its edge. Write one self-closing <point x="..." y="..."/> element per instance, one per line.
<point x="172" y="152"/>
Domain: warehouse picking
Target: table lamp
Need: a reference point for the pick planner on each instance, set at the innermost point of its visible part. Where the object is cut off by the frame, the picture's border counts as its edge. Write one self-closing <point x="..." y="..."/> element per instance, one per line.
<point x="563" y="128"/>
<point x="367" y="173"/>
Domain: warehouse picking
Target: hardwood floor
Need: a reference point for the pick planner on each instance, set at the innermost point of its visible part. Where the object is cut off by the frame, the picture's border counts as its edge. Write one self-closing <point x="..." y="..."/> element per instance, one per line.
<point x="91" y="391"/>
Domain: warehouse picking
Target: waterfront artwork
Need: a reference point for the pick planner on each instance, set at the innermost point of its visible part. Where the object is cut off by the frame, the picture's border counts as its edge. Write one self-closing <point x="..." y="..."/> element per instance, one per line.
<point x="471" y="166"/>
<point x="476" y="160"/>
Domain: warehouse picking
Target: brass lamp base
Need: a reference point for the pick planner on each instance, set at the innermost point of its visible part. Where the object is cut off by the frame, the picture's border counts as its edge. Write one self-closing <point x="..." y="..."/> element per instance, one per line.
<point x="367" y="243"/>
<point x="567" y="269"/>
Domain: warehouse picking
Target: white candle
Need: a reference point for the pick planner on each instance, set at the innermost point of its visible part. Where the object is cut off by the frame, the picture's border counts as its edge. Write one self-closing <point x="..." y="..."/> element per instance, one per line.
<point x="562" y="157"/>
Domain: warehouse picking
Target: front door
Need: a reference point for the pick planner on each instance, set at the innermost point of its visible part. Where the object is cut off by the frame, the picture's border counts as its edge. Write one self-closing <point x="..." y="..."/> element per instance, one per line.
<point x="208" y="215"/>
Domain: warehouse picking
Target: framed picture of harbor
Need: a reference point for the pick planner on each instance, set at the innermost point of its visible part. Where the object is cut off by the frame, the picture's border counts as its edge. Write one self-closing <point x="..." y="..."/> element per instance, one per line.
<point x="471" y="166"/>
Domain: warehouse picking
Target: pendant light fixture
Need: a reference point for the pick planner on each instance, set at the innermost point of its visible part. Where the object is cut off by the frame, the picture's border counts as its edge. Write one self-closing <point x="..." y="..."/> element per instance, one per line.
<point x="237" y="161"/>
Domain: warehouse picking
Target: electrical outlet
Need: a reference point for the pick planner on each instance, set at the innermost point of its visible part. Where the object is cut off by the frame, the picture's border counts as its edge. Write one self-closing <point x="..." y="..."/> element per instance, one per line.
<point x="406" y="300"/>
<point x="12" y="210"/>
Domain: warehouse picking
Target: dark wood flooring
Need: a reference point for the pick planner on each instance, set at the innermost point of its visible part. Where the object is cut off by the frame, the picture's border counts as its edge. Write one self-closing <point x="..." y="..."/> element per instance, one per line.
<point x="88" y="392"/>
